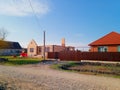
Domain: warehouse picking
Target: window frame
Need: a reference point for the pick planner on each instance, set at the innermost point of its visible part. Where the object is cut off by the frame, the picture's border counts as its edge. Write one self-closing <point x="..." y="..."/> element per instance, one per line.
<point x="102" y="49"/>
<point x="31" y="49"/>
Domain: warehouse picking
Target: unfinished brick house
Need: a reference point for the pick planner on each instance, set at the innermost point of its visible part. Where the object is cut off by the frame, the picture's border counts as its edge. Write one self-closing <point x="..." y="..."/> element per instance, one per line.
<point x="107" y="43"/>
<point x="34" y="50"/>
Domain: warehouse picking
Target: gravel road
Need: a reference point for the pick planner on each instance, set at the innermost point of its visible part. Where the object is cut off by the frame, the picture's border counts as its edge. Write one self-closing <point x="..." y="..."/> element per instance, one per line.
<point x="41" y="77"/>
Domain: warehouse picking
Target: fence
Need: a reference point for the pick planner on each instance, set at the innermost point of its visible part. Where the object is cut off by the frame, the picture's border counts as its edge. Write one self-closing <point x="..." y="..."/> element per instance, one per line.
<point x="77" y="56"/>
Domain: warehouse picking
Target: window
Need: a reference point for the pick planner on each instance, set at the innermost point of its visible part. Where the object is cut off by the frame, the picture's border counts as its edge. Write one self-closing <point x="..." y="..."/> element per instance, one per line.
<point x="102" y="49"/>
<point x="39" y="49"/>
<point x="118" y="48"/>
<point x="47" y="49"/>
<point x="31" y="49"/>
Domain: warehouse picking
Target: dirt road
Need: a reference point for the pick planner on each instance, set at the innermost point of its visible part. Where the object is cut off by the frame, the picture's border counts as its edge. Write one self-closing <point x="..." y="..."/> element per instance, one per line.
<point x="41" y="77"/>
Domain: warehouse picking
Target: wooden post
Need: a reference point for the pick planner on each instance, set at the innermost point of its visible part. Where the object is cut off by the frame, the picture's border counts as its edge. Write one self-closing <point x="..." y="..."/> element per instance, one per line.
<point x="44" y="46"/>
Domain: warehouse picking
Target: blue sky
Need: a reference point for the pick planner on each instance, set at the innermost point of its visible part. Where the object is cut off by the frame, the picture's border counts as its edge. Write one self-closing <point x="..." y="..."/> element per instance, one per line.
<point x="78" y="21"/>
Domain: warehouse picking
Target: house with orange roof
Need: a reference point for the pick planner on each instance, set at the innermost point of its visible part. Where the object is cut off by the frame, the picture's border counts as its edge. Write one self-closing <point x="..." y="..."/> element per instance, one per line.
<point x="107" y="43"/>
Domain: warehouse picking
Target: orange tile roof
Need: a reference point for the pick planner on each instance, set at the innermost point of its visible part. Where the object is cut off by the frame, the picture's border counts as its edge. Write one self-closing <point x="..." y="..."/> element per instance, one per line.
<point x="112" y="38"/>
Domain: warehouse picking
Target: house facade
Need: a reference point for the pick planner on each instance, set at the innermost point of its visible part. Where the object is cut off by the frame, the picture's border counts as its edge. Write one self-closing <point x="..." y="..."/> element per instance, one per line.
<point x="34" y="50"/>
<point x="107" y="43"/>
<point x="10" y="48"/>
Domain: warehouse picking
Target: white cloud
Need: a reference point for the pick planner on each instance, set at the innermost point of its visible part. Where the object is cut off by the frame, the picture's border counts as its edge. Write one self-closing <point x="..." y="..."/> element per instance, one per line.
<point x="22" y="7"/>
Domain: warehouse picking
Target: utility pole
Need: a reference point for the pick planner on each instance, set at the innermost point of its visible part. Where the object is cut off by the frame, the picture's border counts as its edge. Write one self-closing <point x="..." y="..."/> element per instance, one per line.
<point x="44" y="46"/>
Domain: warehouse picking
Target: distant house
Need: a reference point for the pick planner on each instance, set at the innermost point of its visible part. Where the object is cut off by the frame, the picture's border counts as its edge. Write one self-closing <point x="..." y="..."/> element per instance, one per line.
<point x="107" y="43"/>
<point x="11" y="48"/>
<point x="34" y="50"/>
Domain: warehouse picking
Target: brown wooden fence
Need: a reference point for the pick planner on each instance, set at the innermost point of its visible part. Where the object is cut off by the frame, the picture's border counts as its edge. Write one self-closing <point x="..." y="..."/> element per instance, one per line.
<point x="77" y="56"/>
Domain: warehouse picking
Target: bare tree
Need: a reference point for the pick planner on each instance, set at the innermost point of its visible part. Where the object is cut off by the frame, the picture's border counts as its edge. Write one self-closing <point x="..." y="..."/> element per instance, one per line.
<point x="3" y="33"/>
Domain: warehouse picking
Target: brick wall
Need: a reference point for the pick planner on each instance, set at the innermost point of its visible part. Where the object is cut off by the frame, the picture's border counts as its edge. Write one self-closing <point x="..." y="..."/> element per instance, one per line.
<point x="110" y="48"/>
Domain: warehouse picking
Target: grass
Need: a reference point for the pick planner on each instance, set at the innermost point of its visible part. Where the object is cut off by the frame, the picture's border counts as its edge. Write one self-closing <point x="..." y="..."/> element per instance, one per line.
<point x="91" y="68"/>
<point x="19" y="60"/>
<point x="59" y="65"/>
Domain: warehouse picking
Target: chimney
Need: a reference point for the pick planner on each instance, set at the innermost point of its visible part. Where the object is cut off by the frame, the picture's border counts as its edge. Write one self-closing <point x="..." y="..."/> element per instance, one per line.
<point x="63" y="42"/>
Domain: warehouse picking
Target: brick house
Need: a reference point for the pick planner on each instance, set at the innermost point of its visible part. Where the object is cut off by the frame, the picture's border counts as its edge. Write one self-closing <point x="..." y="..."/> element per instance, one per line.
<point x="10" y="48"/>
<point x="107" y="43"/>
<point x="34" y="50"/>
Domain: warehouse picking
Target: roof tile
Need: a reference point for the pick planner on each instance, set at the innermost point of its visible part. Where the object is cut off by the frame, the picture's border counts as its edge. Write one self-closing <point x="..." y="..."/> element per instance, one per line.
<point x="112" y="38"/>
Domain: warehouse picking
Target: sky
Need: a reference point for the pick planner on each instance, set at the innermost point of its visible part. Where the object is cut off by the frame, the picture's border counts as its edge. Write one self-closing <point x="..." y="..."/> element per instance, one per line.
<point x="80" y="22"/>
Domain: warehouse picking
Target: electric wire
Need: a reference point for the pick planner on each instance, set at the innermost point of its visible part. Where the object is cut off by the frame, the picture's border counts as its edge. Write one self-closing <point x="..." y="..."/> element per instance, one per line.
<point x="34" y="14"/>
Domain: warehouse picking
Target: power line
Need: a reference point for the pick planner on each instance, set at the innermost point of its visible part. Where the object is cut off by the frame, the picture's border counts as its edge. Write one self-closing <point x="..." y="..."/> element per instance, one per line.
<point x="34" y="13"/>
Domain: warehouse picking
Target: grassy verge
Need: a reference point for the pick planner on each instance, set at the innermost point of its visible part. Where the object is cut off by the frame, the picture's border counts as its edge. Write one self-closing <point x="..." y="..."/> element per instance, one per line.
<point x="59" y="65"/>
<point x="19" y="60"/>
<point x="104" y="69"/>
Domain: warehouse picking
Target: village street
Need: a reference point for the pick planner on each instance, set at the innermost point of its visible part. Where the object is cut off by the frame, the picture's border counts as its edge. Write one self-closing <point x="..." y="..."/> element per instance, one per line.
<point x="42" y="77"/>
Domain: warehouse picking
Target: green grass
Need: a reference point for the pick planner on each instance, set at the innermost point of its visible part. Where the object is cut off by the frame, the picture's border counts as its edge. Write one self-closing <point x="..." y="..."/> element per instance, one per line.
<point x="56" y="66"/>
<point x="19" y="60"/>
